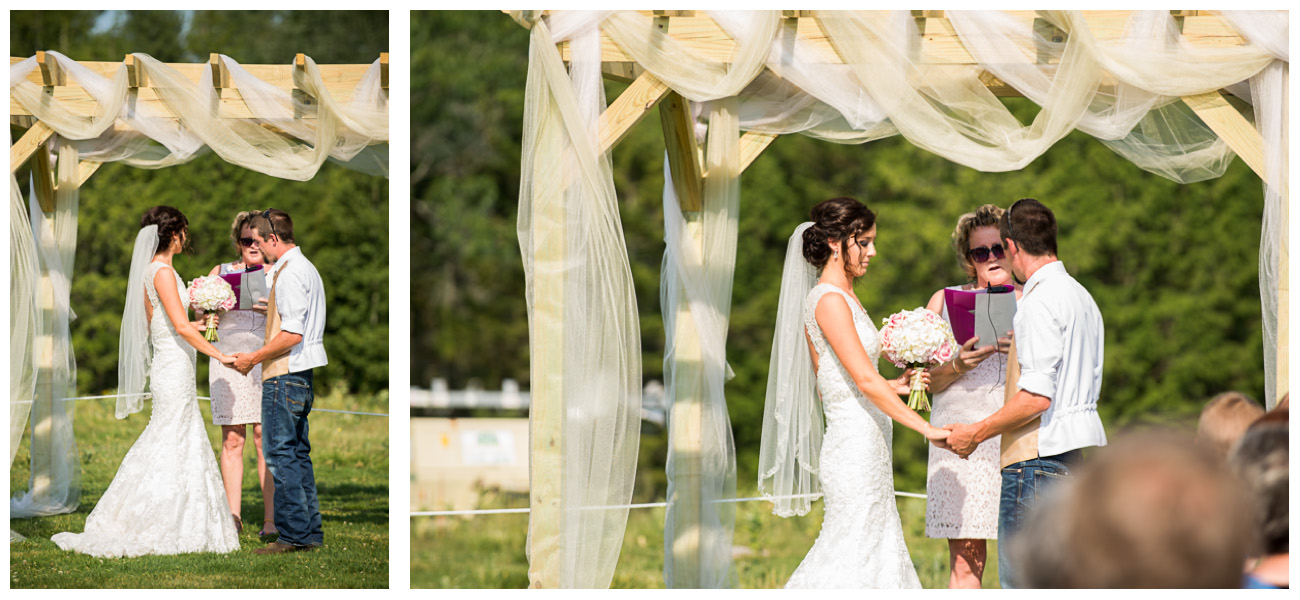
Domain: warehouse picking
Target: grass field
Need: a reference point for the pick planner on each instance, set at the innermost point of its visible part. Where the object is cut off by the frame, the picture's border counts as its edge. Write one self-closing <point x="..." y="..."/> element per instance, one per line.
<point x="487" y="551"/>
<point x="350" y="457"/>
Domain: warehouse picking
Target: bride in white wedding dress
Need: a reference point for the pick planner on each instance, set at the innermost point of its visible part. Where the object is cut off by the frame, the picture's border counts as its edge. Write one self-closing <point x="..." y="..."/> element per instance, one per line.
<point x="167" y="496"/>
<point x="825" y="331"/>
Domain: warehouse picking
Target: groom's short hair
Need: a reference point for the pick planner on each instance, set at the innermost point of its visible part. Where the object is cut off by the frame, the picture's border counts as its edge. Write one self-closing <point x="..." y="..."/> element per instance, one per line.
<point x="273" y="221"/>
<point x="1031" y="225"/>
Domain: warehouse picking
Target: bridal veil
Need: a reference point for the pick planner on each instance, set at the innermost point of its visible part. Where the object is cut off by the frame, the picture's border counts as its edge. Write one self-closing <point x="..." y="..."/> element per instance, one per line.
<point x="133" y="346"/>
<point x="792" y="418"/>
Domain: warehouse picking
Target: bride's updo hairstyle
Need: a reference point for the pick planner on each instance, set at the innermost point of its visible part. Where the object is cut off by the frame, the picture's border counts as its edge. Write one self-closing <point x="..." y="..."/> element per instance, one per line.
<point x="835" y="219"/>
<point x="170" y="222"/>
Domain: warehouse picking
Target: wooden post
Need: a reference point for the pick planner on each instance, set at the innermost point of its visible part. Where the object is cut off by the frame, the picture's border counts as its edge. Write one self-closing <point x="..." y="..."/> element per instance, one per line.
<point x="43" y="409"/>
<point x="683" y="151"/>
<point x="1233" y="128"/>
<point x="1283" y="302"/>
<point x="547" y="345"/>
<point x="686" y="417"/>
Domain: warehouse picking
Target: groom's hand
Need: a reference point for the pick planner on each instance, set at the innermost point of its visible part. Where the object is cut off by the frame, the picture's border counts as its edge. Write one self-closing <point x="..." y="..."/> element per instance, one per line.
<point x="962" y="439"/>
<point x="243" y="362"/>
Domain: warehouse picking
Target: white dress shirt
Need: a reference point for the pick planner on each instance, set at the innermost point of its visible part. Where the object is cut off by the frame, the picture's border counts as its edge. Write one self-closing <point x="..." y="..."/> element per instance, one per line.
<point x="300" y="300"/>
<point x="1060" y="342"/>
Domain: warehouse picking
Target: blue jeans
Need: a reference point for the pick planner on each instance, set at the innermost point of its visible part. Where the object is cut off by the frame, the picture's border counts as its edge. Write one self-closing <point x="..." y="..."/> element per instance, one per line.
<point x="286" y="402"/>
<point x="1023" y="483"/>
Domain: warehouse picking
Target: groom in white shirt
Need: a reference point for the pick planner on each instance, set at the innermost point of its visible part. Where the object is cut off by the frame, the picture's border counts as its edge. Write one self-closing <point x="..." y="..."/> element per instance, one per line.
<point x="1050" y="414"/>
<point x="295" y="332"/>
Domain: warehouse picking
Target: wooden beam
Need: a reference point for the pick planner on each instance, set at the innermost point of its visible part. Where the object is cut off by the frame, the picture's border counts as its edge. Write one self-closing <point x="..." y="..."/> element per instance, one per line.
<point x="753" y="143"/>
<point x="683" y="152"/>
<point x="33" y="139"/>
<point x="85" y="169"/>
<point x="1232" y="128"/>
<point x="340" y="80"/>
<point x="43" y="179"/>
<point x="629" y="108"/>
<point x="383" y="70"/>
<point x="940" y="44"/>
<point x="77" y="101"/>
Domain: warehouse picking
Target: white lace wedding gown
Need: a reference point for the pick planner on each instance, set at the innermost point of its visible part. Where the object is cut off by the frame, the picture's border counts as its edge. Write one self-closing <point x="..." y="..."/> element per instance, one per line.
<point x="861" y="542"/>
<point x="167" y="496"/>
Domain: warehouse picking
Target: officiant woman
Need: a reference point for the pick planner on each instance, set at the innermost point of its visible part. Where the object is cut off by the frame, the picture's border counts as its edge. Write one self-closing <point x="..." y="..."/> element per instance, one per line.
<point x="963" y="494"/>
<point x="236" y="398"/>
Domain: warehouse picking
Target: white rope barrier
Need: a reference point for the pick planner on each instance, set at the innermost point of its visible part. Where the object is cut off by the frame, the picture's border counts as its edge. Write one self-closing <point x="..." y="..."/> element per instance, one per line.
<point x="209" y="399"/>
<point x="499" y="511"/>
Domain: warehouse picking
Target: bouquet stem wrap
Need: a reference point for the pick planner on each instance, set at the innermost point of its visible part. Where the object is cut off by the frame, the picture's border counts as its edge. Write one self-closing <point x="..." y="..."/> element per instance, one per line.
<point x="918" y="400"/>
<point x="210" y="327"/>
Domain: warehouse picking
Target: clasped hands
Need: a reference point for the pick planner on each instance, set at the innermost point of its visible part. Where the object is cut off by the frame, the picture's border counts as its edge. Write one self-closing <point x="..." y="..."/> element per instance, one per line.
<point x="239" y="361"/>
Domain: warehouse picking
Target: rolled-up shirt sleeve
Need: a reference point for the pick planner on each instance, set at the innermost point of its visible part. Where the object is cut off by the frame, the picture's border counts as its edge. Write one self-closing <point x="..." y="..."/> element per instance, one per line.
<point x="291" y="302"/>
<point x="1039" y="346"/>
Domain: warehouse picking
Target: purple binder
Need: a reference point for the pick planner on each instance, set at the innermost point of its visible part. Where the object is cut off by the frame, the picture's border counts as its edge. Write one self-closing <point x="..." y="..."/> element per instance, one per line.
<point x="961" y="313"/>
<point x="249" y="285"/>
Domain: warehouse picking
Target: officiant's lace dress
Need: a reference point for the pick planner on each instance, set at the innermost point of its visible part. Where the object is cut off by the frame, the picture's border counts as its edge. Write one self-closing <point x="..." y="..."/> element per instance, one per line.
<point x="167" y="496"/>
<point x="962" y="495"/>
<point x="861" y="542"/>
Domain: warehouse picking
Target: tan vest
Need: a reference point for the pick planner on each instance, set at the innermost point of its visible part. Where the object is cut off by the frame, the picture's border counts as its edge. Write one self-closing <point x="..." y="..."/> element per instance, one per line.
<point x="278" y="365"/>
<point x="1020" y="443"/>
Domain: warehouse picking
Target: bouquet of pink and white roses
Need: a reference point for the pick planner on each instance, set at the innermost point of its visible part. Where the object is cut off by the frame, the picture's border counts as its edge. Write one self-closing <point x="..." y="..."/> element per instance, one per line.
<point x="917" y="339"/>
<point x="211" y="294"/>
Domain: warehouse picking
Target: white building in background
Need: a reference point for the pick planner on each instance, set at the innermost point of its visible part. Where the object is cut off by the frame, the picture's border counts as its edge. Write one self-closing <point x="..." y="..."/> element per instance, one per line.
<point x="454" y="459"/>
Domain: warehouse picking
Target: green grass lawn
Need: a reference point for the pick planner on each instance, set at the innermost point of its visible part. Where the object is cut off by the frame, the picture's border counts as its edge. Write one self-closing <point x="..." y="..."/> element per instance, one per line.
<point x="350" y="457"/>
<point x="487" y="551"/>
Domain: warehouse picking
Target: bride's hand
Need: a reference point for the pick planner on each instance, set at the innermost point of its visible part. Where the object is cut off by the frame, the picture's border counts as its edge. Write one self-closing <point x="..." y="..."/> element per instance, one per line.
<point x="227" y="360"/>
<point x="902" y="385"/>
<point x="937" y="435"/>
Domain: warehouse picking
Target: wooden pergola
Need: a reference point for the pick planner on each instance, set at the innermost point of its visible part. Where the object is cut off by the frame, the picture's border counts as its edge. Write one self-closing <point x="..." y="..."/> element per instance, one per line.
<point x="340" y="82"/>
<point x="938" y="44"/>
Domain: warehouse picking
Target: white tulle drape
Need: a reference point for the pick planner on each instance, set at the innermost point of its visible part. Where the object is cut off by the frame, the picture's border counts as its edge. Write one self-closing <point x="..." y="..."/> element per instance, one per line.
<point x="1126" y="91"/>
<point x="583" y="332"/>
<point x="699" y="256"/>
<point x="271" y="141"/>
<point x="55" y="484"/>
<point x="24" y="321"/>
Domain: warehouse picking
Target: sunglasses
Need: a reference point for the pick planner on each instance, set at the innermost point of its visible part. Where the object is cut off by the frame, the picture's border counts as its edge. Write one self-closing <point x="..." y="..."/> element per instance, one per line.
<point x="246" y="242"/>
<point x="981" y="254"/>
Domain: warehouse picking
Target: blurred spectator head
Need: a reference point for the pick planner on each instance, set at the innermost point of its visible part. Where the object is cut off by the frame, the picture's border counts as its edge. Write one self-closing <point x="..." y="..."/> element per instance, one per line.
<point x="1153" y="510"/>
<point x="1261" y="461"/>
<point x="1224" y="419"/>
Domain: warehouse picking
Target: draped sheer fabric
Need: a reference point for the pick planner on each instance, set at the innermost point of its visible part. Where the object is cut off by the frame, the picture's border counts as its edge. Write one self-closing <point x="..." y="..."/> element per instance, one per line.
<point x="582" y="317"/>
<point x="272" y="141"/>
<point x="133" y="352"/>
<point x="791" y="443"/>
<point x="55" y="484"/>
<point x="695" y="362"/>
<point x="24" y="321"/>
<point x="1126" y="92"/>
